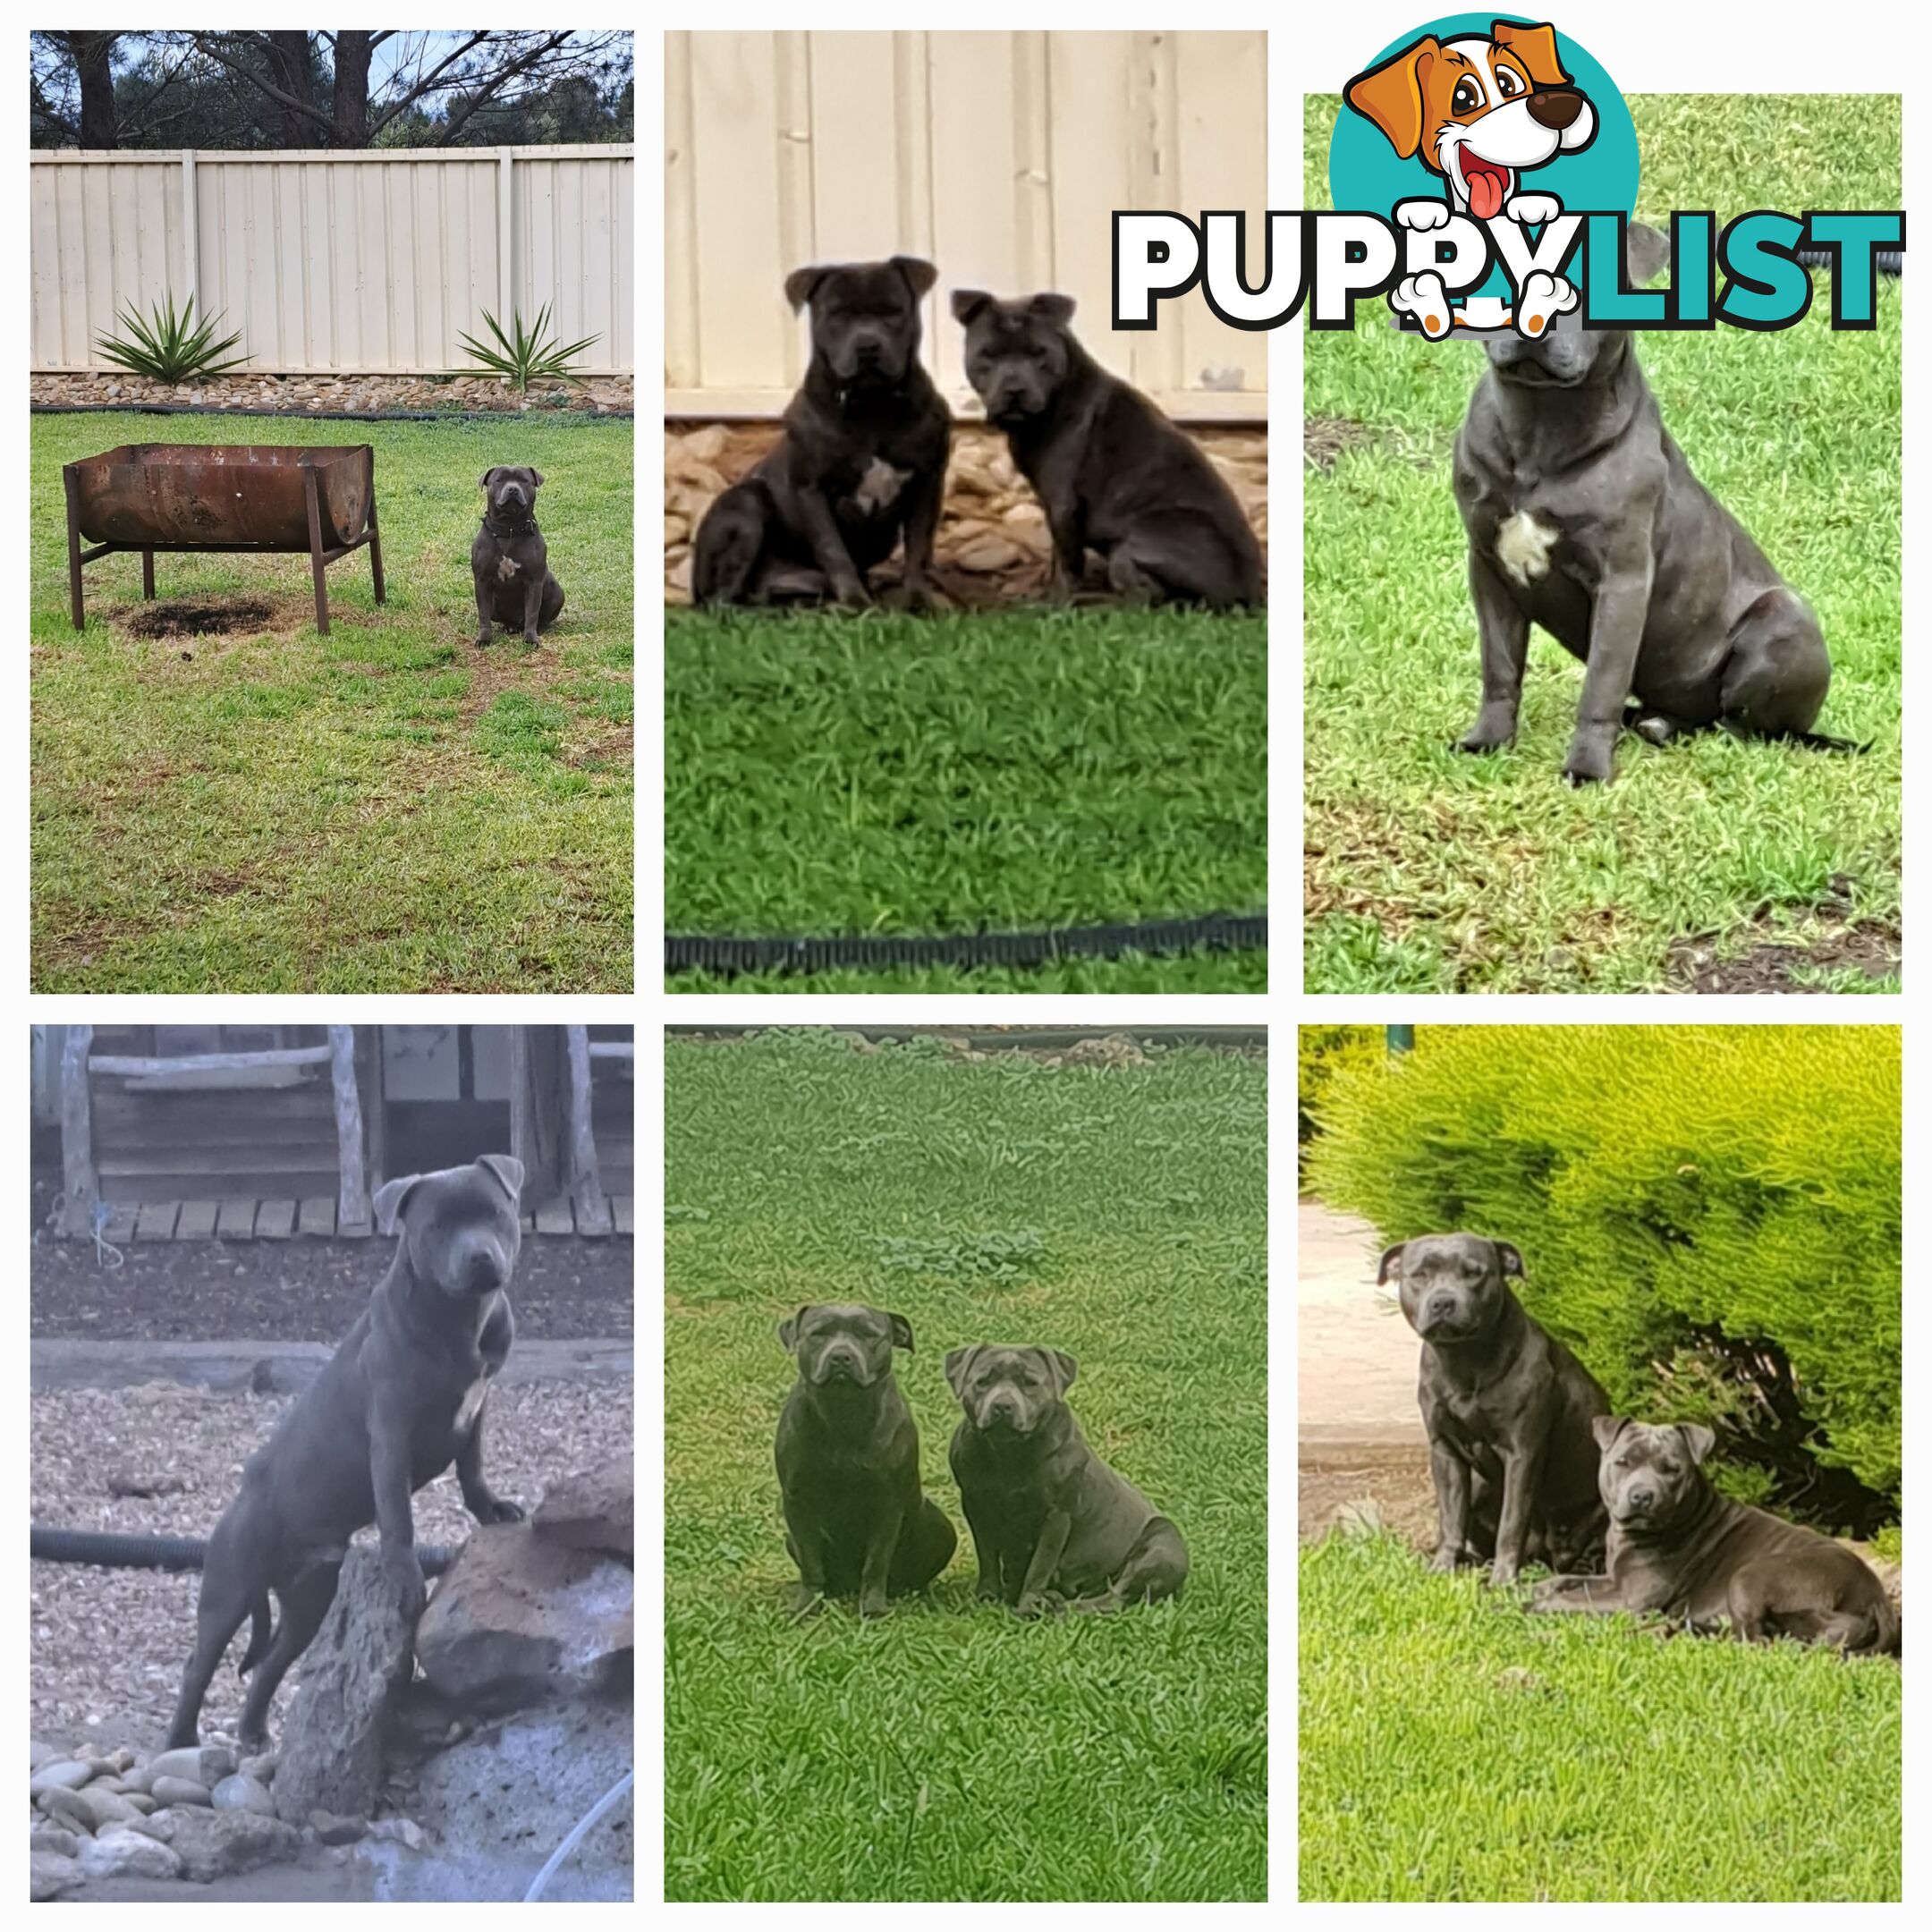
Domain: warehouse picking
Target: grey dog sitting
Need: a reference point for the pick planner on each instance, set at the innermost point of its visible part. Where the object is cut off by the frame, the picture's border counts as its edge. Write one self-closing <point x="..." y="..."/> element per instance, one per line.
<point x="1112" y="473"/>
<point x="510" y="561"/>
<point x="1052" y="1523"/>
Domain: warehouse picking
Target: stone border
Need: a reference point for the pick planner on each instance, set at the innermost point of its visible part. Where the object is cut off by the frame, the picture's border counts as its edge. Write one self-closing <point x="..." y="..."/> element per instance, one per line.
<point x="323" y="395"/>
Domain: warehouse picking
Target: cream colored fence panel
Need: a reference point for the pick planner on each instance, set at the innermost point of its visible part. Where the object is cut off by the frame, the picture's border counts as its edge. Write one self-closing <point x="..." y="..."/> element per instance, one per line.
<point x="1002" y="157"/>
<point x="373" y="263"/>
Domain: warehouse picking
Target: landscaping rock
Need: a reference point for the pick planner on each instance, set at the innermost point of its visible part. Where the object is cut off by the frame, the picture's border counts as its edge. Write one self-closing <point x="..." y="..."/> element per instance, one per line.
<point x="332" y="1830"/>
<point x="64" y="1773"/>
<point x="205" y="1765"/>
<point x="304" y="394"/>
<point x="177" y="1790"/>
<point x="53" y="1838"/>
<point x="330" y="1757"/>
<point x="519" y="1617"/>
<point x="129" y="1854"/>
<point x="239" y="1793"/>
<point x="595" y="1509"/>
<point x="214" y="1843"/>
<point x="52" y="1873"/>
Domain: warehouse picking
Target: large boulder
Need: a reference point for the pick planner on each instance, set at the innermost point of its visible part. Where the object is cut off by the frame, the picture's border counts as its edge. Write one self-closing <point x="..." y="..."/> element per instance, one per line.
<point x="520" y="1617"/>
<point x="214" y="1844"/>
<point x="331" y="1752"/>
<point x="595" y="1509"/>
<point x="121" y="1853"/>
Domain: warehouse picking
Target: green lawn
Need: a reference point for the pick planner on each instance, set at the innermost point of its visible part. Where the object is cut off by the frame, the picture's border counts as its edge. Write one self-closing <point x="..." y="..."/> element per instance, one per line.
<point x="385" y="810"/>
<point x="951" y="1752"/>
<point x="828" y="775"/>
<point x="1430" y="872"/>
<point x="1453" y="1748"/>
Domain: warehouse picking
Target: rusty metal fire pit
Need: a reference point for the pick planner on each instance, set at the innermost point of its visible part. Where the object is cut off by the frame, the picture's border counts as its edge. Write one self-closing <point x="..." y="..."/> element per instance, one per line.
<point x="268" y="498"/>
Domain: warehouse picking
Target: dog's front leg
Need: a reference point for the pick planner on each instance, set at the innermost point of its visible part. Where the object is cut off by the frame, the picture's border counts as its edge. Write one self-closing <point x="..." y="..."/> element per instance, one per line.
<point x="1503" y="632"/>
<point x="1069" y="553"/>
<point x="923" y="528"/>
<point x="389" y="1471"/>
<point x="829" y="547"/>
<point x="486" y="612"/>
<point x="532" y="603"/>
<point x="877" y="1569"/>
<point x="1616" y="634"/>
<point x="482" y="1502"/>
<point x="1047" y="1554"/>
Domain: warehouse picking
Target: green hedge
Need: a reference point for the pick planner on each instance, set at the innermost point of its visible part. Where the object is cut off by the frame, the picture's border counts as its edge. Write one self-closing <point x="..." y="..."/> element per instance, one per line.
<point x="1673" y="1189"/>
<point x="1322" y="1051"/>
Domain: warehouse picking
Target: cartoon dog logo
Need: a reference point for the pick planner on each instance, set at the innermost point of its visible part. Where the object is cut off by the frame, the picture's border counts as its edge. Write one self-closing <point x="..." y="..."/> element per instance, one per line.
<point x="1479" y="113"/>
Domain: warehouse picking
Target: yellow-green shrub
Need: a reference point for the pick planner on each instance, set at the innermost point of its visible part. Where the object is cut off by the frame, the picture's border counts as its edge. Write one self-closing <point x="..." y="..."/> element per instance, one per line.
<point x="1669" y="1187"/>
<point x="1322" y="1052"/>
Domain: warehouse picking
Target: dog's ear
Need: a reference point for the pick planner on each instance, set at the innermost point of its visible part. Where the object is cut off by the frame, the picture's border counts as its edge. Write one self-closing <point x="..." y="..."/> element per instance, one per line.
<point x="920" y="276"/>
<point x="1391" y="1258"/>
<point x="959" y="1364"/>
<point x="1698" y="1439"/>
<point x="508" y="1170"/>
<point x="967" y="302"/>
<point x="1646" y="250"/>
<point x="1391" y="95"/>
<point x="788" y="1329"/>
<point x="1058" y="309"/>
<point x="390" y="1199"/>
<point x="483" y="480"/>
<point x="1509" y="1260"/>
<point x="1063" y="1368"/>
<point x="536" y="477"/>
<point x="902" y="1331"/>
<point x="1535" y="47"/>
<point x="802" y="284"/>
<point x="1607" y="1428"/>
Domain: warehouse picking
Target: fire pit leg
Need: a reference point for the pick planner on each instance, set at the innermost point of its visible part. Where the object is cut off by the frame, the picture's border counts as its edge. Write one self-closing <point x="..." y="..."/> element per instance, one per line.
<point x="147" y="573"/>
<point x="315" y="549"/>
<point x="375" y="535"/>
<point x="73" y="544"/>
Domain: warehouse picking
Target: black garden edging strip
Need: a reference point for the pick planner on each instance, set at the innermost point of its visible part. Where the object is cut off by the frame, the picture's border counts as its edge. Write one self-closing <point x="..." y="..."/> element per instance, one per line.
<point x="1220" y="932"/>
<point x="202" y="409"/>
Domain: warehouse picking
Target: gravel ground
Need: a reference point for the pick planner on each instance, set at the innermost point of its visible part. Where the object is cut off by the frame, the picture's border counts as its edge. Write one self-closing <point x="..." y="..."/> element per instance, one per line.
<point x="108" y="1645"/>
<point x="304" y="394"/>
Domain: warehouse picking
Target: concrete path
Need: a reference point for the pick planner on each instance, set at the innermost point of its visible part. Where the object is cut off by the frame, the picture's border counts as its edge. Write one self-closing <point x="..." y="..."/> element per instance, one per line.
<point x="280" y="1367"/>
<point x="1356" y="1354"/>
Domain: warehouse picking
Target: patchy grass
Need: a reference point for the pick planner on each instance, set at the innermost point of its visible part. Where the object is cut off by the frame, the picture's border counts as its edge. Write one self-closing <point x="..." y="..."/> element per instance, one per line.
<point x="387" y="809"/>
<point x="1455" y="1748"/>
<point x="1427" y="870"/>
<point x="949" y="1750"/>
<point x="884" y="774"/>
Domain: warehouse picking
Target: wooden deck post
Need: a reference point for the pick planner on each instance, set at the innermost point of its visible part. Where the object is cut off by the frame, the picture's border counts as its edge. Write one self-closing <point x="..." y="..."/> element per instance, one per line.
<point x="352" y="1187"/>
<point x="81" y="1188"/>
<point x="586" y="1186"/>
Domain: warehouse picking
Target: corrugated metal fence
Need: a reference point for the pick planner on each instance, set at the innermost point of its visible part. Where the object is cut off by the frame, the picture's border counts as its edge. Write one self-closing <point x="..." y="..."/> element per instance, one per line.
<point x="371" y="262"/>
<point x="1001" y="157"/>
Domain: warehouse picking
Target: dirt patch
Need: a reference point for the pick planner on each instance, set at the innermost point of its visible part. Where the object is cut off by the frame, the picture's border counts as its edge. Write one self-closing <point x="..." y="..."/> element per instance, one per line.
<point x="1324" y="438"/>
<point x="196" y="617"/>
<point x="567" y="1288"/>
<point x="1868" y="947"/>
<point x="1370" y="1481"/>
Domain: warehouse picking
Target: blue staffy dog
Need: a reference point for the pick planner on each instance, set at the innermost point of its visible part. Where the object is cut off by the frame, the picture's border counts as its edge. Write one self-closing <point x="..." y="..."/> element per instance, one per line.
<point x="400" y="1401"/>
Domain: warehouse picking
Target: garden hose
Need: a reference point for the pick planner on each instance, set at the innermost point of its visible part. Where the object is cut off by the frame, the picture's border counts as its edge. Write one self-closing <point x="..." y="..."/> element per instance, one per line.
<point x="1220" y="932"/>
<point x="110" y="1552"/>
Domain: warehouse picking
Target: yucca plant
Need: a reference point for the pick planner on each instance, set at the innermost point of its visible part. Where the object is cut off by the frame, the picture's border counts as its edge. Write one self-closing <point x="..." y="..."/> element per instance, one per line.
<point x="168" y="347"/>
<point x="524" y="356"/>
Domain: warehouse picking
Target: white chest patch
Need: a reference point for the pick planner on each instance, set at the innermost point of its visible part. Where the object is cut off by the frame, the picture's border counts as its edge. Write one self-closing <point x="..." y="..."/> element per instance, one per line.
<point x="471" y="1402"/>
<point x="880" y="487"/>
<point x="1522" y="547"/>
<point x="506" y="569"/>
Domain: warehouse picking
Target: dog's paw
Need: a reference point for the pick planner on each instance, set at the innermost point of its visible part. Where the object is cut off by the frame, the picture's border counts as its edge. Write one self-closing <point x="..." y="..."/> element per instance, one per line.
<point x="503" y="1510"/>
<point x="1423" y="215"/>
<point x="872" y="1604"/>
<point x="1544" y="298"/>
<point x="1446" y="1560"/>
<point x="1533" y="208"/>
<point x="1478" y="742"/>
<point x="1424" y="297"/>
<point x="1588" y="763"/>
<point x="805" y="1600"/>
<point x="406" y="1580"/>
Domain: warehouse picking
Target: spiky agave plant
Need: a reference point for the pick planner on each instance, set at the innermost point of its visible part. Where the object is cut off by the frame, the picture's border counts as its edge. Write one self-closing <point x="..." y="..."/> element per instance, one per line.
<point x="530" y="355"/>
<point x="169" y="347"/>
